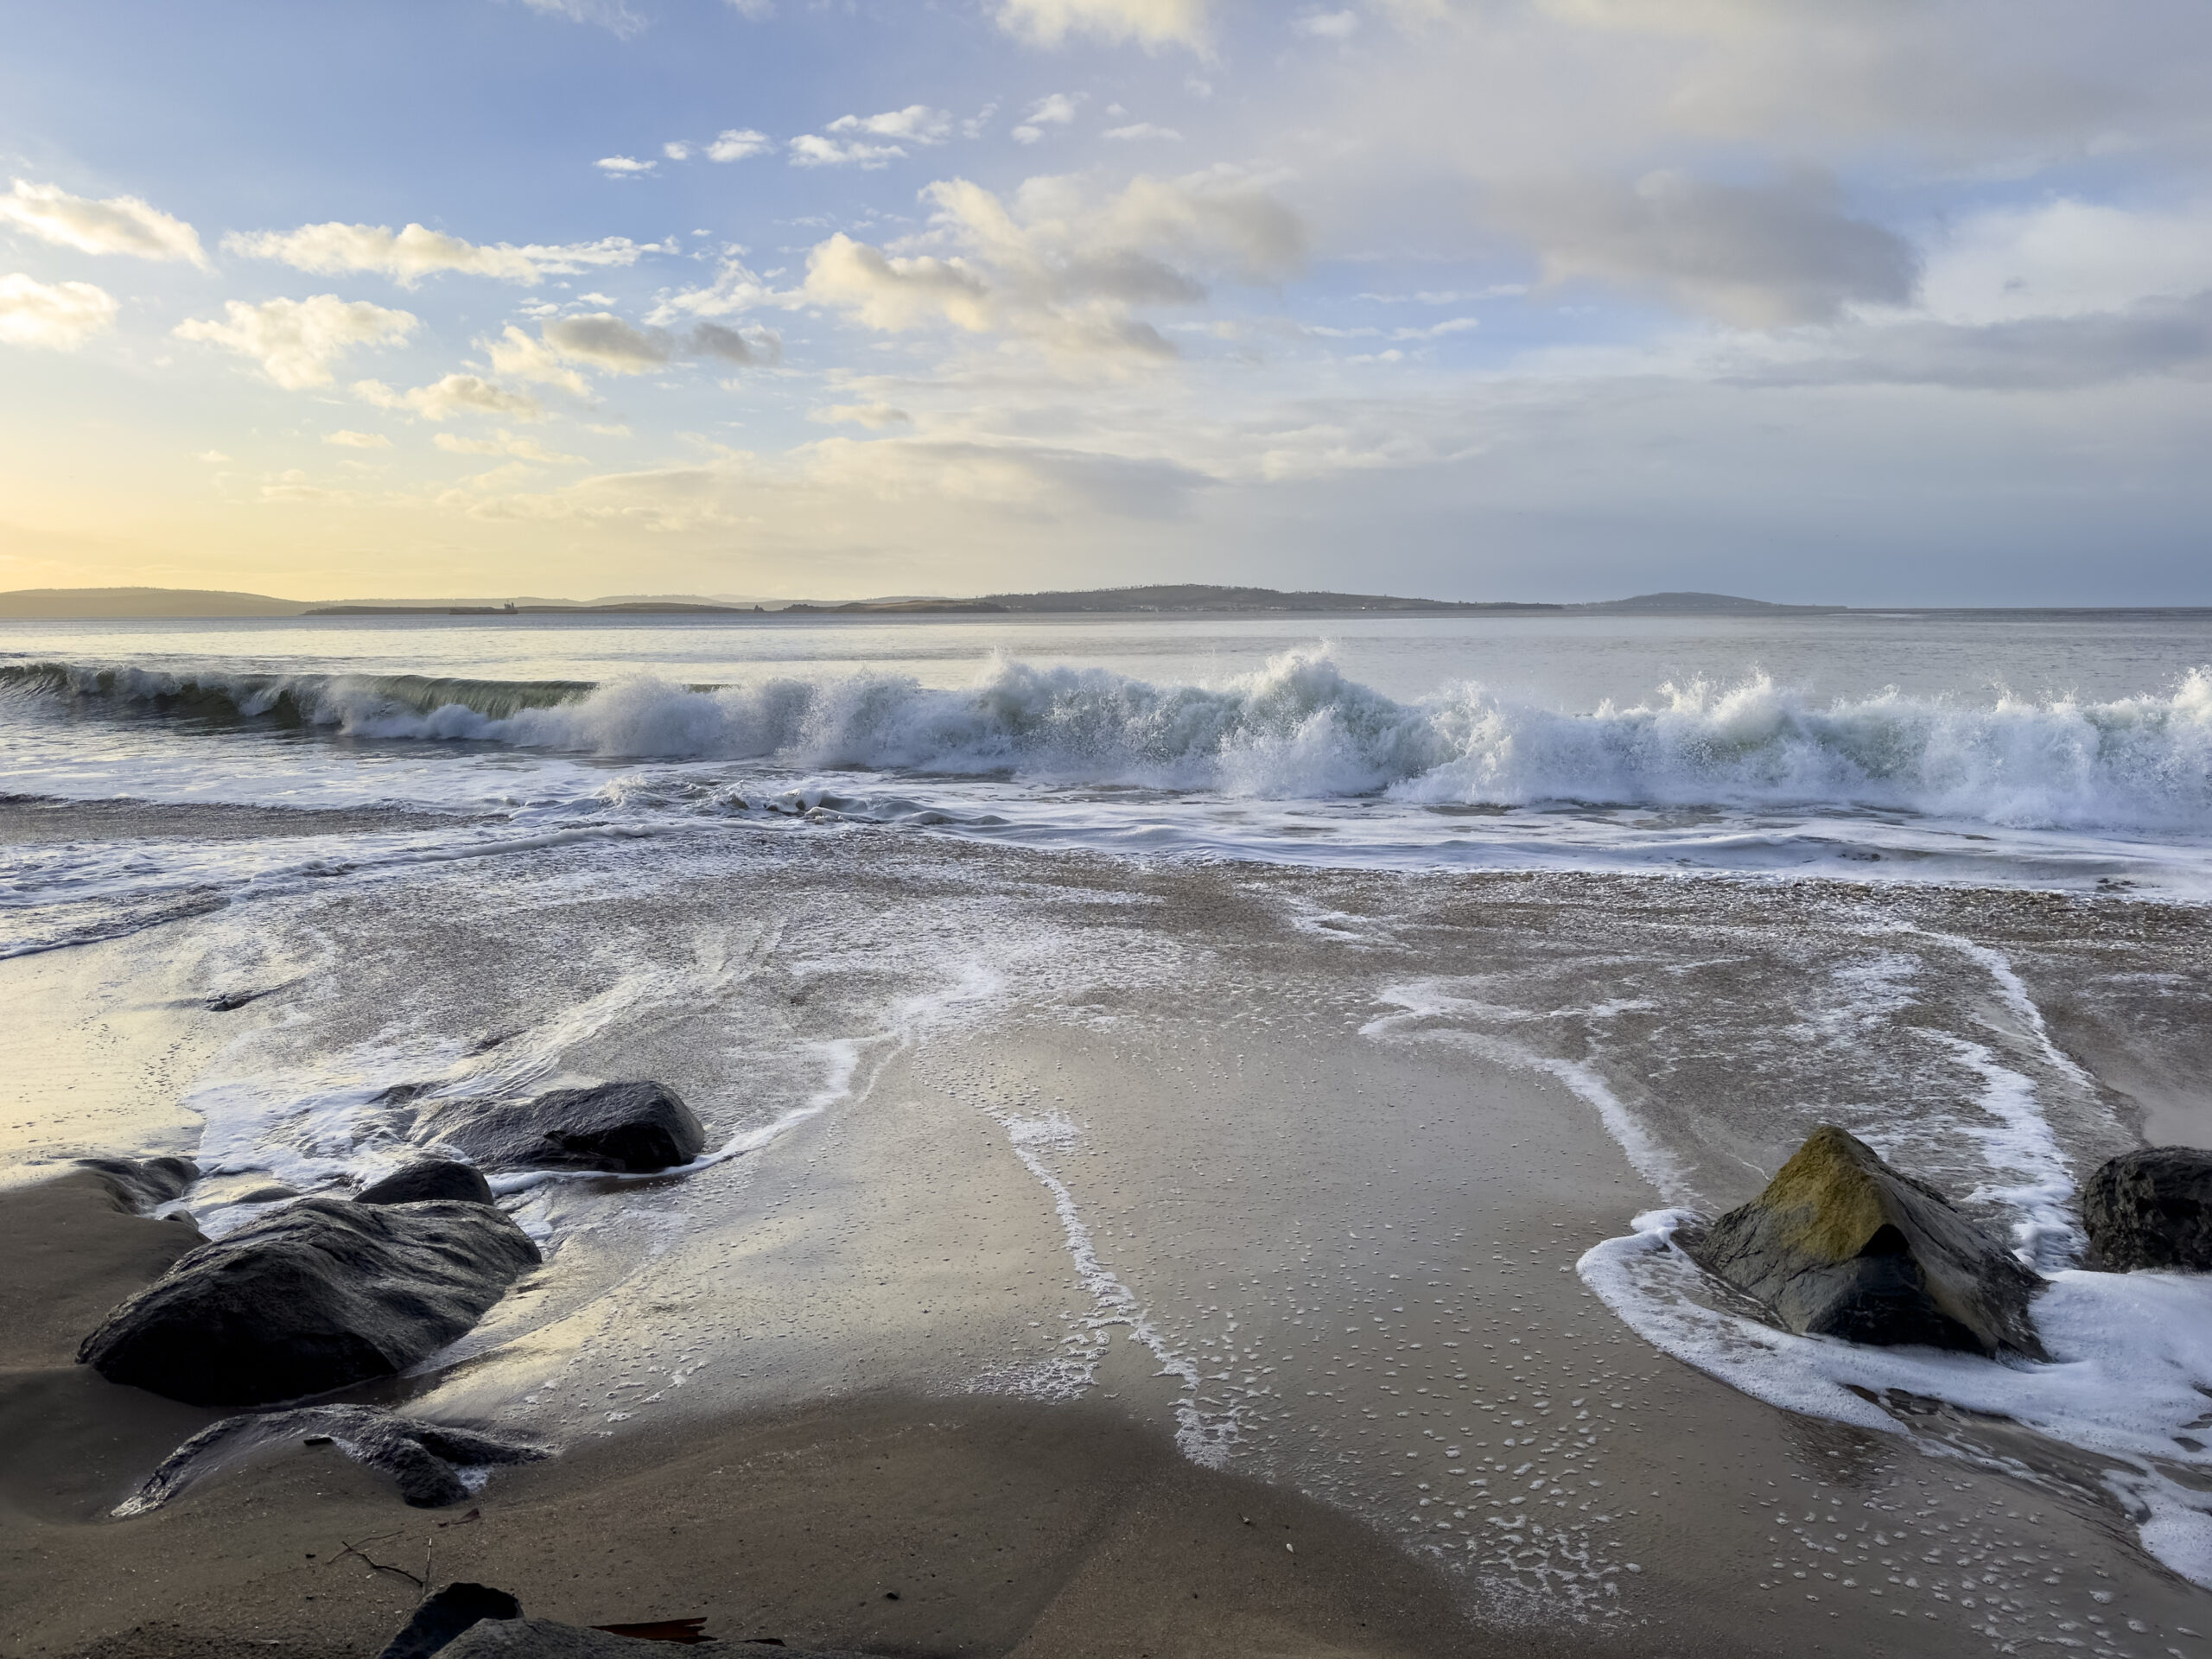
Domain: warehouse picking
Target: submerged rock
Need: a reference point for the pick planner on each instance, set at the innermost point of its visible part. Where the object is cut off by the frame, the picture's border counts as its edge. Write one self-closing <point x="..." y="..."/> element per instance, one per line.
<point x="313" y="1297"/>
<point x="1840" y="1244"/>
<point x="623" y="1127"/>
<point x="446" y="1615"/>
<point x="422" y="1458"/>
<point x="433" y="1178"/>
<point x="2151" y="1209"/>
<point x="143" y="1184"/>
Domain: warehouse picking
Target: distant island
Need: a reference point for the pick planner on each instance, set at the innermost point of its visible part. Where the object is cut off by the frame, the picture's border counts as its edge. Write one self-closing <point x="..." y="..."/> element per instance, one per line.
<point x="1184" y="598"/>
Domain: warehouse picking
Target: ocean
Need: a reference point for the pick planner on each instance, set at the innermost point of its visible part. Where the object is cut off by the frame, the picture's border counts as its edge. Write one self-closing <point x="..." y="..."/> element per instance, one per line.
<point x="1308" y="1031"/>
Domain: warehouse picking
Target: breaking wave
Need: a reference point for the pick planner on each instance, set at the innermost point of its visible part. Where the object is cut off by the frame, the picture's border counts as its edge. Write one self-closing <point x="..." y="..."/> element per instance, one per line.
<point x="1297" y="729"/>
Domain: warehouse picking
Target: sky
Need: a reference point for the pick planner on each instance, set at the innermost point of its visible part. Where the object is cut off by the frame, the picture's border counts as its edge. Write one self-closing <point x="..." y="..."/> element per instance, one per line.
<point x="1862" y="302"/>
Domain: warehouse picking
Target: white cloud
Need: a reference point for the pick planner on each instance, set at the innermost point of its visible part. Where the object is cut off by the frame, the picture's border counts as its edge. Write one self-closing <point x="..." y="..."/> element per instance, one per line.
<point x="916" y="124"/>
<point x="504" y="443"/>
<point x="457" y="394"/>
<point x="615" y="15"/>
<point x="811" y="149"/>
<point x="119" y="225"/>
<point x="408" y="256"/>
<point x="59" y="316"/>
<point x="2066" y="258"/>
<point x="876" y="417"/>
<point x="1327" y="25"/>
<point x="348" y="439"/>
<point x="738" y="144"/>
<point x="515" y="356"/>
<point x="677" y="150"/>
<point x="1055" y="109"/>
<point x="295" y="341"/>
<point x="1059" y="264"/>
<point x="1142" y="131"/>
<point x="1760" y="255"/>
<point x="756" y="10"/>
<point x="623" y="166"/>
<point x="736" y="289"/>
<point x="1151" y="22"/>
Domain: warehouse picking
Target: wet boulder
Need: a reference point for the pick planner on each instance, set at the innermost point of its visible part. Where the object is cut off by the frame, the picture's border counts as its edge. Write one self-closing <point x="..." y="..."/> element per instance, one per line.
<point x="143" y="1183"/>
<point x="432" y="1178"/>
<point x="445" y="1616"/>
<point x="622" y="1128"/>
<point x="1842" y="1245"/>
<point x="318" y="1295"/>
<point x="2151" y="1209"/>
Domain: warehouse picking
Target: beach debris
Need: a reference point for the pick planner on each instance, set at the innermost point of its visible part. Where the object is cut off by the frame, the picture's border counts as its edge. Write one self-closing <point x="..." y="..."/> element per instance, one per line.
<point x="1842" y="1245"/>
<point x="622" y="1128"/>
<point x="430" y="1178"/>
<point x="424" y="1458"/>
<point x="315" y="1296"/>
<point x="2151" y="1209"/>
<point x="445" y="1616"/>
<point x="140" y="1185"/>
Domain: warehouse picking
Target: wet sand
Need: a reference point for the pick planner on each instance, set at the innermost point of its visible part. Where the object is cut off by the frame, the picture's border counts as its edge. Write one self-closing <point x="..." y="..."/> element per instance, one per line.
<point x="1344" y="1242"/>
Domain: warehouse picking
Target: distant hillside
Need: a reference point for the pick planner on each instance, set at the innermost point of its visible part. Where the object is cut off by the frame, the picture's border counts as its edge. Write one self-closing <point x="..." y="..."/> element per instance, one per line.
<point x="1701" y="605"/>
<point x="1168" y="600"/>
<point x="96" y="604"/>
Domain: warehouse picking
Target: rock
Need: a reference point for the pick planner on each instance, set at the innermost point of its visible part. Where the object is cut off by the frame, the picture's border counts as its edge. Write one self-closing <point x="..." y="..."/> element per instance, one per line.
<point x="312" y="1297"/>
<point x="446" y="1615"/>
<point x="2151" y="1209"/>
<point x="146" y="1183"/>
<point x="1840" y="1244"/>
<point x="421" y="1456"/>
<point x="626" y="1128"/>
<point x="433" y="1178"/>
<point x="275" y="1192"/>
<point x="541" y="1638"/>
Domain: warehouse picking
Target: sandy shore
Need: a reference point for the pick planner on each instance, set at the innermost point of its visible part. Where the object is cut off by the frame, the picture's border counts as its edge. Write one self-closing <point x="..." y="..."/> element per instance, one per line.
<point x="882" y="1350"/>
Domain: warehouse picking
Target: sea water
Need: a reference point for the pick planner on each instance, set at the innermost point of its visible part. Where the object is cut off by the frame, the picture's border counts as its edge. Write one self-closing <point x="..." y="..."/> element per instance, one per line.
<point x="1850" y="822"/>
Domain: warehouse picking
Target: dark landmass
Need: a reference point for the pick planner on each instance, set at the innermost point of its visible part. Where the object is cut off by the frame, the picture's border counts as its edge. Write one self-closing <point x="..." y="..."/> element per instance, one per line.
<point x="101" y="603"/>
<point x="1701" y="605"/>
<point x="629" y="608"/>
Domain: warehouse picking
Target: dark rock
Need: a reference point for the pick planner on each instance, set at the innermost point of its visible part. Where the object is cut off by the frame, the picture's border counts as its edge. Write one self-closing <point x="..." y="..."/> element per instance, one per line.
<point x="2151" y="1209"/>
<point x="143" y="1184"/>
<point x="541" y="1638"/>
<point x="313" y="1297"/>
<point x="1840" y="1244"/>
<point x="231" y="1001"/>
<point x="420" y="1457"/>
<point x="275" y="1192"/>
<point x="626" y="1128"/>
<point x="431" y="1179"/>
<point x="446" y="1615"/>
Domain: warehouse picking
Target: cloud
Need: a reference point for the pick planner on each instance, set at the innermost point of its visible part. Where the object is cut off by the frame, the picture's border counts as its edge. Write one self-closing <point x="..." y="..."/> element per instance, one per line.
<point x="409" y="255"/>
<point x="876" y="417"/>
<point x="677" y="150"/>
<point x="623" y="166"/>
<point x="1059" y="264"/>
<point x="2066" y="257"/>
<point x="2064" y="353"/>
<point x="1152" y="23"/>
<point x="1055" y="109"/>
<point x="57" y="316"/>
<point x="296" y="341"/>
<point x="346" y="439"/>
<point x="1142" y="131"/>
<point x="119" y="225"/>
<point x="1760" y="255"/>
<point x="516" y="356"/>
<point x="736" y="289"/>
<point x="504" y="443"/>
<point x="605" y="342"/>
<point x="738" y="144"/>
<point x="712" y="340"/>
<point x="755" y="11"/>
<point x="871" y="141"/>
<point x="609" y="14"/>
<point x="457" y="394"/>
<point x="1326" y="25"/>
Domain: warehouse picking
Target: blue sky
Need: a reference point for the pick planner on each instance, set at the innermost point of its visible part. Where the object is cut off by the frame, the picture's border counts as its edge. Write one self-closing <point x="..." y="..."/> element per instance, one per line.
<point x="1868" y="301"/>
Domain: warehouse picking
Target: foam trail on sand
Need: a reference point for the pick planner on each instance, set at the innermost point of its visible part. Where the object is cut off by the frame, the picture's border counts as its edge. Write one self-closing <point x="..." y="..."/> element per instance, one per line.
<point x="2132" y="1366"/>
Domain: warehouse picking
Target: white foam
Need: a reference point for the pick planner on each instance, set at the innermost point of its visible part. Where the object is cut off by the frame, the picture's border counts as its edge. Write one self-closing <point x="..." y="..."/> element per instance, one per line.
<point x="2130" y="1371"/>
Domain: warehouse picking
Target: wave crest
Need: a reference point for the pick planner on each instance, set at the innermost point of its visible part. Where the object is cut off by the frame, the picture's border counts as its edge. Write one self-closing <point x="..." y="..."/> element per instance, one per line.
<point x="1300" y="728"/>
